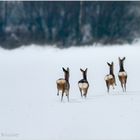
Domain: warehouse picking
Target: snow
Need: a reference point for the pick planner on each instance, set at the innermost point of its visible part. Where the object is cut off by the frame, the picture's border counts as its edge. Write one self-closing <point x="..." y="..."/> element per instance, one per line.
<point x="31" y="109"/>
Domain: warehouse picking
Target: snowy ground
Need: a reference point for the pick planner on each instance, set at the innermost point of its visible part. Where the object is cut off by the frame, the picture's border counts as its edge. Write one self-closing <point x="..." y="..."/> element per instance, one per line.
<point x="30" y="109"/>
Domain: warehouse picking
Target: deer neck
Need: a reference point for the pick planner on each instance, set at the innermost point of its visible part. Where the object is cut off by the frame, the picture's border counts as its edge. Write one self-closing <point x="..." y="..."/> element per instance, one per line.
<point x="66" y="77"/>
<point x="121" y="67"/>
<point x="111" y="72"/>
<point x="84" y="76"/>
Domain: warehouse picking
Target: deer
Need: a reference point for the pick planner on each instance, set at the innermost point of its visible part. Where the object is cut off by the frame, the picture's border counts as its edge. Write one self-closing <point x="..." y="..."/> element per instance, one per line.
<point x="122" y="75"/>
<point x="83" y="83"/>
<point x="63" y="84"/>
<point x="110" y="78"/>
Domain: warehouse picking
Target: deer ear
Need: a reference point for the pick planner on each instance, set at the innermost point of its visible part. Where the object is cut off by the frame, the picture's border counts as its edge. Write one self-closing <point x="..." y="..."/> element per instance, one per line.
<point x="108" y="64"/>
<point x="112" y="63"/>
<point x="63" y="69"/>
<point x="119" y="58"/>
<point x="86" y="69"/>
<point x="81" y="70"/>
<point x="123" y="58"/>
<point x="68" y="69"/>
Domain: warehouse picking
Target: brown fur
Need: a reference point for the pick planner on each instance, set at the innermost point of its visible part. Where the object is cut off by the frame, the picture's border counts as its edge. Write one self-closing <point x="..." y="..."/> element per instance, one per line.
<point x="122" y="74"/>
<point x="110" y="78"/>
<point x="83" y="84"/>
<point x="63" y="84"/>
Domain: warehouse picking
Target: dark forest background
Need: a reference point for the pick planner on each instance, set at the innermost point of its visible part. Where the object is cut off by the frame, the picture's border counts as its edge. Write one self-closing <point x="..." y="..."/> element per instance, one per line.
<point x="68" y="23"/>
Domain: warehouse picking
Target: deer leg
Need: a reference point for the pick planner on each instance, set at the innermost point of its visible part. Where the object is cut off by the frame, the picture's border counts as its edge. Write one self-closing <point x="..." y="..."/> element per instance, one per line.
<point x="57" y="92"/>
<point x="85" y="94"/>
<point x="107" y="86"/>
<point x="115" y="81"/>
<point x="86" y="90"/>
<point x="68" y="97"/>
<point x="122" y="86"/>
<point x="125" y="87"/>
<point x="125" y="84"/>
<point x="62" y="95"/>
<point x="81" y="92"/>
<point x="113" y="86"/>
<point x="108" y="89"/>
<point x="67" y="94"/>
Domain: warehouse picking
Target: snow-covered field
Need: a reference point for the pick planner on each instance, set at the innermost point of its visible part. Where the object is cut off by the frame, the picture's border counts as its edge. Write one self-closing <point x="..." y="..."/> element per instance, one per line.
<point x="30" y="108"/>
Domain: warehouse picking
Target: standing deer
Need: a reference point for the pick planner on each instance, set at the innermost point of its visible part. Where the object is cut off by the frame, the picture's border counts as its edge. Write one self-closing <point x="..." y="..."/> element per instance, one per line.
<point x="122" y="74"/>
<point x="110" y="78"/>
<point x="83" y="83"/>
<point x="63" y="84"/>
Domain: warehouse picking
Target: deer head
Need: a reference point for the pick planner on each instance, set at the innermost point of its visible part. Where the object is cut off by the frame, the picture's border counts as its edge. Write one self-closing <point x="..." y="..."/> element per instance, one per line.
<point x="121" y="62"/>
<point x="84" y="72"/>
<point x="66" y="74"/>
<point x="111" y="68"/>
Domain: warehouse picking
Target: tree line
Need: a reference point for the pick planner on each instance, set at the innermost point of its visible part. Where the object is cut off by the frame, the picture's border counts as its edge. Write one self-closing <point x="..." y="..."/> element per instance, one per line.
<point x="68" y="23"/>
